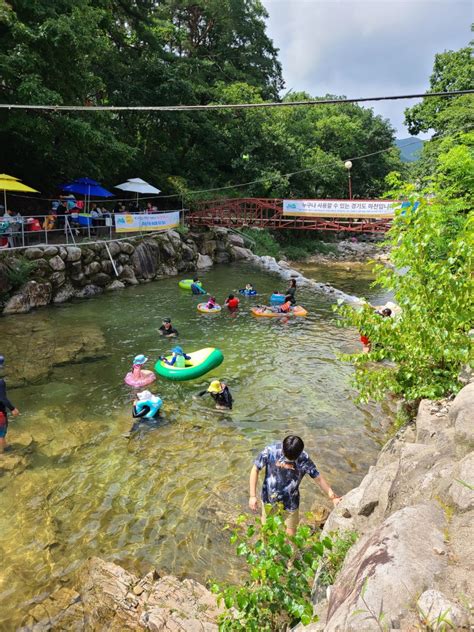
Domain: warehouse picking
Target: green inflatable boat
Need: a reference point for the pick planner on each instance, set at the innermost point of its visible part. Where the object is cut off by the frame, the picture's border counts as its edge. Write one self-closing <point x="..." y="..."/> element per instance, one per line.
<point x="201" y="362"/>
<point x="185" y="284"/>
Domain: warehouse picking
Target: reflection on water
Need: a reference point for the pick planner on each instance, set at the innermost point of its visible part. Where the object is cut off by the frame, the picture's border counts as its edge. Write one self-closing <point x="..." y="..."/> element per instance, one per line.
<point x="162" y="497"/>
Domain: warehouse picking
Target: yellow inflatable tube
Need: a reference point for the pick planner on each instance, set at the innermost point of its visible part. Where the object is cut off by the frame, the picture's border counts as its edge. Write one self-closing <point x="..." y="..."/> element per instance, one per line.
<point x="294" y="311"/>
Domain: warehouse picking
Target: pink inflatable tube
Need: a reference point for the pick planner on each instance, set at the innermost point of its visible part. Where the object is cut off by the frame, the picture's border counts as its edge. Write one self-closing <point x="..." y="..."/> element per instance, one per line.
<point x="147" y="377"/>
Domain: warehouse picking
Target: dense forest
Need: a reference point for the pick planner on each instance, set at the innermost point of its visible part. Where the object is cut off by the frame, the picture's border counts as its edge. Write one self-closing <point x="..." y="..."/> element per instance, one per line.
<point x="151" y="52"/>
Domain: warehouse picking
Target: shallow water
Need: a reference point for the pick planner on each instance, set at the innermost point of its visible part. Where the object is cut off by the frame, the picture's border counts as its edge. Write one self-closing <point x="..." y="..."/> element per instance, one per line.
<point x="161" y="498"/>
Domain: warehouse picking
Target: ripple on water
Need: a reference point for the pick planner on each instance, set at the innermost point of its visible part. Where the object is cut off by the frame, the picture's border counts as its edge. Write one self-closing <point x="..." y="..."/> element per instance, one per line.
<point x="161" y="498"/>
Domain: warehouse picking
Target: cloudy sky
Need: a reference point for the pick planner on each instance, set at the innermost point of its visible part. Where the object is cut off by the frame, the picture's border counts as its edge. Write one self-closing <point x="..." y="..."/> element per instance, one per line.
<point x="366" y="48"/>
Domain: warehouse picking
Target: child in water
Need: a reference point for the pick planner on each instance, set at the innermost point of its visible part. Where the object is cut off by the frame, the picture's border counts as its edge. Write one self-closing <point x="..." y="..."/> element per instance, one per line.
<point x="232" y="302"/>
<point x="146" y="408"/>
<point x="220" y="393"/>
<point x="195" y="288"/>
<point x="211" y="303"/>
<point x="178" y="359"/>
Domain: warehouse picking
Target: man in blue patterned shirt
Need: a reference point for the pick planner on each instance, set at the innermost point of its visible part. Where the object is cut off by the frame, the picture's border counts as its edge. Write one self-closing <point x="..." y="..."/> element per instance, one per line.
<point x="285" y="465"/>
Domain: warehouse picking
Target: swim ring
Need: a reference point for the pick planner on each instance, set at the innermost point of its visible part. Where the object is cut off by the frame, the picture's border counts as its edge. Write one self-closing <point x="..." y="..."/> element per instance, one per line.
<point x="202" y="307"/>
<point x="294" y="311"/>
<point x="201" y="362"/>
<point x="277" y="299"/>
<point x="185" y="284"/>
<point x="147" y="378"/>
<point x="248" y="292"/>
<point x="153" y="403"/>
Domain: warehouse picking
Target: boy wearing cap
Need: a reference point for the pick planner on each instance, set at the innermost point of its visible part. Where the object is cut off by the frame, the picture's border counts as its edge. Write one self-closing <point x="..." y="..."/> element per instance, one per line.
<point x="5" y="406"/>
<point x="167" y="329"/>
<point x="178" y="358"/>
<point x="220" y="393"/>
<point x="285" y="465"/>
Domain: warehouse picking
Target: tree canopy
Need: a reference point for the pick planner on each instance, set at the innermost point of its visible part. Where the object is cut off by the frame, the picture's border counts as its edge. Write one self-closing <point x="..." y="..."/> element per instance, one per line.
<point x="146" y="52"/>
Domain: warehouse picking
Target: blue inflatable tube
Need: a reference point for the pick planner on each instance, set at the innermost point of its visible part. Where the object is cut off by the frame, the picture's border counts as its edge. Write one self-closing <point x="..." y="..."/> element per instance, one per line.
<point x="277" y="299"/>
<point x="154" y="404"/>
<point x="248" y="292"/>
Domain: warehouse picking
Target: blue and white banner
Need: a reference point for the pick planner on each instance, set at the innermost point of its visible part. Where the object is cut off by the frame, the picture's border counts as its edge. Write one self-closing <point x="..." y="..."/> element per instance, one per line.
<point x="137" y="222"/>
<point x="339" y="208"/>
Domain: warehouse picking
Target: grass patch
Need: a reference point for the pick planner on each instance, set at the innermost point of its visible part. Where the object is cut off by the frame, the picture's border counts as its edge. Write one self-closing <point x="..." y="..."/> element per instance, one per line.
<point x="293" y="245"/>
<point x="334" y="557"/>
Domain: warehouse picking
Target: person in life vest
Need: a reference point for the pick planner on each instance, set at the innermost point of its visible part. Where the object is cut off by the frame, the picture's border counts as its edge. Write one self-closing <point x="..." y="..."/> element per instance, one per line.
<point x="146" y="409"/>
<point x="195" y="288"/>
<point x="232" y="302"/>
<point x="284" y="308"/>
<point x="178" y="359"/>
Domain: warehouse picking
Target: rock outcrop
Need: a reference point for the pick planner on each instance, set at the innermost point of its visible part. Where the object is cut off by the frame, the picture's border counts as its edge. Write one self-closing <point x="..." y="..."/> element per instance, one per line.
<point x="413" y="563"/>
<point x="107" y="597"/>
<point x="57" y="274"/>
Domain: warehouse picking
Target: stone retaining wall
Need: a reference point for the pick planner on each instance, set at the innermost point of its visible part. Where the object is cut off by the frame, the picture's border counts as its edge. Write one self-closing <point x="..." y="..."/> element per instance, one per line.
<point x="59" y="274"/>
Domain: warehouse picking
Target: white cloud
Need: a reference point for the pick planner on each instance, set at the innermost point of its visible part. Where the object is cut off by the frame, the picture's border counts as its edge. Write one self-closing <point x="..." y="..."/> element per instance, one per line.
<point x="364" y="48"/>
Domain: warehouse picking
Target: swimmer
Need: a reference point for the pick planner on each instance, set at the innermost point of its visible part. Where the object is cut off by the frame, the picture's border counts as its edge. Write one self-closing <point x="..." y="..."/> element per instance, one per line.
<point x="167" y="329"/>
<point x="220" y="393"/>
<point x="195" y="288"/>
<point x="284" y="308"/>
<point x="232" y="302"/>
<point x="146" y="408"/>
<point x="178" y="359"/>
<point x="291" y="291"/>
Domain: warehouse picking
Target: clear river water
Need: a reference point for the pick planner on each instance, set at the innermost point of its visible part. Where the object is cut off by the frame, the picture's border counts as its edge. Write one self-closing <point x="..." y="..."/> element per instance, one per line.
<point x="161" y="498"/>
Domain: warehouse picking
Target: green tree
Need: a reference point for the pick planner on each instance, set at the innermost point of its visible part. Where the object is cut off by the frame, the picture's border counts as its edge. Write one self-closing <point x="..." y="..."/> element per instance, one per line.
<point x="431" y="239"/>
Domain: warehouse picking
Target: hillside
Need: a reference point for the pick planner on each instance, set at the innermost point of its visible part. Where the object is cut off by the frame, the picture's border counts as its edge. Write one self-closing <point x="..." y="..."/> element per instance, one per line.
<point x="410" y="148"/>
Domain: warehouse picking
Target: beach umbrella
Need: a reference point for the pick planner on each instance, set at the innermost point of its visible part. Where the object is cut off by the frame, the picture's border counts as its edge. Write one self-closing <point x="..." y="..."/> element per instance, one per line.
<point x="10" y="183"/>
<point x="88" y="187"/>
<point x="137" y="185"/>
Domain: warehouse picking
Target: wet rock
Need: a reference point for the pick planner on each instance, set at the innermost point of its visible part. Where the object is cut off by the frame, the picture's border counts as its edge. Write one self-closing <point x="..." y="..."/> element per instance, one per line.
<point x="10" y="461"/>
<point x="436" y="609"/>
<point x="115" y="285"/>
<point x="204" y="261"/>
<point x="107" y="266"/>
<point x="64" y="294"/>
<point x="123" y="258"/>
<point x="56" y="263"/>
<point x="392" y="564"/>
<point x="187" y="253"/>
<point x="145" y="259"/>
<point x="88" y="291"/>
<point x="75" y="267"/>
<point x="62" y="253"/>
<point x="31" y="295"/>
<point x="73" y="253"/>
<point x="128" y="276"/>
<point x="62" y="610"/>
<point x="114" y="248"/>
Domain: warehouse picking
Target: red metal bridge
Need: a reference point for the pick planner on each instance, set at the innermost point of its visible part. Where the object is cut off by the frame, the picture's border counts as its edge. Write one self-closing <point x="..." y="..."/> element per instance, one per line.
<point x="268" y="213"/>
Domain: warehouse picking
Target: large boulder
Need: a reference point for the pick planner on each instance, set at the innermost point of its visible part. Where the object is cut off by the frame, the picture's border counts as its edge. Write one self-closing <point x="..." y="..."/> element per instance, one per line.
<point x="145" y="259"/>
<point x="101" y="279"/>
<point x="127" y="275"/>
<point x="31" y="295"/>
<point x="438" y="612"/>
<point x="204" y="261"/>
<point x="127" y="247"/>
<point x="34" y="253"/>
<point x="64" y="294"/>
<point x="92" y="268"/>
<point x="107" y="597"/>
<point x="236" y="240"/>
<point x="387" y="569"/>
<point x="241" y="253"/>
<point x="88" y="291"/>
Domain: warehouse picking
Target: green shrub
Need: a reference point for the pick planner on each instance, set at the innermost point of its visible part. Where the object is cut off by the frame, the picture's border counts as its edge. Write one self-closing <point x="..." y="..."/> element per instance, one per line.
<point x="262" y="242"/>
<point x="276" y="594"/>
<point x="296" y="253"/>
<point x="334" y="557"/>
<point x="19" y="271"/>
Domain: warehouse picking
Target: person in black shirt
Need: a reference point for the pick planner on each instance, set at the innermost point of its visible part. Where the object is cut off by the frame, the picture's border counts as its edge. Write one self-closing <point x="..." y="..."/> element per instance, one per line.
<point x="167" y="329"/>
<point x="220" y="393"/>
<point x="5" y="406"/>
<point x="291" y="291"/>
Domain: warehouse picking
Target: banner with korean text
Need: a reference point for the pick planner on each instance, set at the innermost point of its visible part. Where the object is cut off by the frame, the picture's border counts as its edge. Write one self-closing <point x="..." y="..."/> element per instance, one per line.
<point x="137" y="222"/>
<point x="339" y="208"/>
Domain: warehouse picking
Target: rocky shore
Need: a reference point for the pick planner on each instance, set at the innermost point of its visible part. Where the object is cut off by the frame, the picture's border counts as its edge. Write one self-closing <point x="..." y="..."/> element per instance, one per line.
<point x="412" y="567"/>
<point x="45" y="275"/>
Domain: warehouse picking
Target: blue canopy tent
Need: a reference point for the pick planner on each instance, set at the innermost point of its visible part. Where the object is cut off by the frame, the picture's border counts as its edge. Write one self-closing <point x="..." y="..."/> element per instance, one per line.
<point x="89" y="188"/>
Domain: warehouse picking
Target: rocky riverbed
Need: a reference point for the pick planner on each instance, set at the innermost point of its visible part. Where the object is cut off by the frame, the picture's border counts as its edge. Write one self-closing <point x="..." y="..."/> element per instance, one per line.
<point x="412" y="567"/>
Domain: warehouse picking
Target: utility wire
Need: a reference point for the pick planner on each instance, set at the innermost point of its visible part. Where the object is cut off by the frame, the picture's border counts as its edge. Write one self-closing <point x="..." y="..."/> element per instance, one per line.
<point x="223" y="106"/>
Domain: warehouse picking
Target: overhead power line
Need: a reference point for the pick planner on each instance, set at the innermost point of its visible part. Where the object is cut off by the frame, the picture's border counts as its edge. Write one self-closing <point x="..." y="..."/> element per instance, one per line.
<point x="223" y="106"/>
